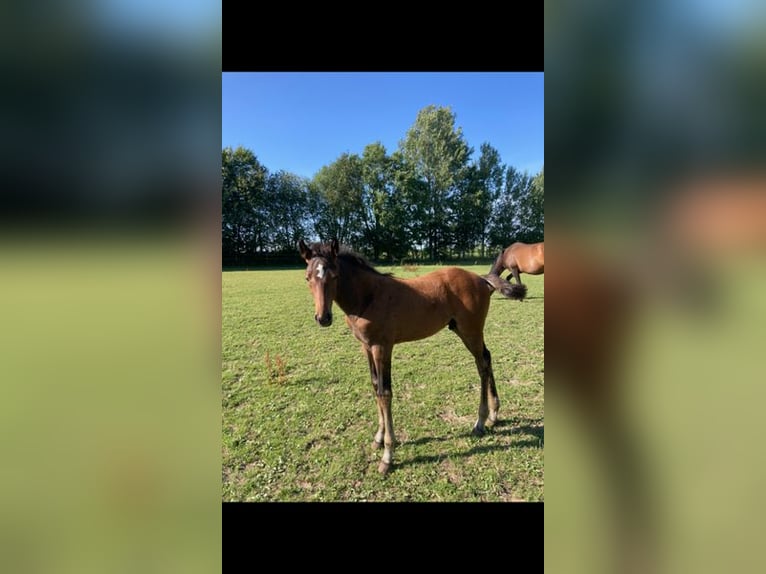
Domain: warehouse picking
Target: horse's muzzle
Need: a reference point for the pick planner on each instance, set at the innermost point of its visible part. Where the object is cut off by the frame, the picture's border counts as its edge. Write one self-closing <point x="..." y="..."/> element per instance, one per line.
<point x="324" y="320"/>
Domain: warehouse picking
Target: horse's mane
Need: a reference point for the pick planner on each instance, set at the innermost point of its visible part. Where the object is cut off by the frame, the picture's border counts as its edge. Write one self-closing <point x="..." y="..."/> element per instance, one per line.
<point x="346" y="255"/>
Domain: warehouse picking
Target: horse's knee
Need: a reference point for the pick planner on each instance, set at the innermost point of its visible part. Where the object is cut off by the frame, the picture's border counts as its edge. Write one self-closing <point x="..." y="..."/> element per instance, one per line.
<point x="486" y="354"/>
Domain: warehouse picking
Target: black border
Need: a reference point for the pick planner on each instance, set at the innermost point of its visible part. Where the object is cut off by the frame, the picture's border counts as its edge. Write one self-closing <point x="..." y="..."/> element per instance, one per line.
<point x="298" y="38"/>
<point x="385" y="529"/>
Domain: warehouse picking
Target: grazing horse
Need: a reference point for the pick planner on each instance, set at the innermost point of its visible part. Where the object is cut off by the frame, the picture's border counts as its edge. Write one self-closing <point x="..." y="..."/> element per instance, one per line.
<point x="383" y="311"/>
<point x="521" y="258"/>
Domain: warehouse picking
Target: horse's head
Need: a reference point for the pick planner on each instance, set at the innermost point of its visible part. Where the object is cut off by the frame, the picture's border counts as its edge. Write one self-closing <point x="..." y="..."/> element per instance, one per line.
<point x="322" y="277"/>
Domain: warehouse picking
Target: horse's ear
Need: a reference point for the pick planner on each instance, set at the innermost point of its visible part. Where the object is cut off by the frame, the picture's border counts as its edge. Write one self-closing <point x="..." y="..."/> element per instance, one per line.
<point x="304" y="251"/>
<point x="334" y="247"/>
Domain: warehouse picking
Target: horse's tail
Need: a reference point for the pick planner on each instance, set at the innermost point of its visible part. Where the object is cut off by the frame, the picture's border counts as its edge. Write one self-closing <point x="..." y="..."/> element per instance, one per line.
<point x="510" y="290"/>
<point x="497" y="266"/>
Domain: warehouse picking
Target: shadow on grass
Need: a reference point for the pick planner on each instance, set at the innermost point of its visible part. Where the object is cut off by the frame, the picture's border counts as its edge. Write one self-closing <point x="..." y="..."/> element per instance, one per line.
<point x="536" y="439"/>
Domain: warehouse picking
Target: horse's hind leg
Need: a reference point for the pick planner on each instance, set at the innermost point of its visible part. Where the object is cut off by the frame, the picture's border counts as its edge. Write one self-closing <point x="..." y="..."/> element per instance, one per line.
<point x="489" y="403"/>
<point x="515" y="271"/>
<point x="377" y="441"/>
<point x="489" y="396"/>
<point x="492" y="398"/>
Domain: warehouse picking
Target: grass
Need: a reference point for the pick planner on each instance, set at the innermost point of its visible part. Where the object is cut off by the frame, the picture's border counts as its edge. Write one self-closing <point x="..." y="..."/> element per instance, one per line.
<point x="299" y="413"/>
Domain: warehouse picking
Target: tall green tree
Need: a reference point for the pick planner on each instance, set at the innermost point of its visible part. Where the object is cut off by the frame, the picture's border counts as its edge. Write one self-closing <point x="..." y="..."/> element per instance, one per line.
<point x="534" y="223"/>
<point x="504" y="228"/>
<point x="400" y="222"/>
<point x="341" y="212"/>
<point x="290" y="210"/>
<point x="480" y="188"/>
<point x="491" y="175"/>
<point x="376" y="186"/>
<point x="385" y="204"/>
<point x="438" y="155"/>
<point x="518" y="213"/>
<point x="244" y="206"/>
<point x="466" y="206"/>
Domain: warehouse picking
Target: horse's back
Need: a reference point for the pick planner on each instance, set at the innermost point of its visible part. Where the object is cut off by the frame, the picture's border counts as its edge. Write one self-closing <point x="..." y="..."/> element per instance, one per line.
<point x="452" y="281"/>
<point x="521" y="247"/>
<point x="454" y="289"/>
<point x="527" y="257"/>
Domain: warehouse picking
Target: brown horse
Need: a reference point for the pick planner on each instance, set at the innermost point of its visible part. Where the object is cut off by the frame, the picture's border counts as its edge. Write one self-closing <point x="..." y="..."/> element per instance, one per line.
<point x="521" y="258"/>
<point x="383" y="311"/>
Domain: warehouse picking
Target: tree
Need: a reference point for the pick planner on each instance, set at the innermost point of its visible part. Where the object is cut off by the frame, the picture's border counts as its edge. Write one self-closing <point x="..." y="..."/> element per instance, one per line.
<point x="289" y="207"/>
<point x="466" y="207"/>
<point x="438" y="155"/>
<point x="491" y="173"/>
<point x="376" y="185"/>
<point x="338" y="187"/>
<point x="505" y="222"/>
<point x="385" y="204"/>
<point x="480" y="187"/>
<point x="535" y="222"/>
<point x="243" y="204"/>
<point x="518" y="213"/>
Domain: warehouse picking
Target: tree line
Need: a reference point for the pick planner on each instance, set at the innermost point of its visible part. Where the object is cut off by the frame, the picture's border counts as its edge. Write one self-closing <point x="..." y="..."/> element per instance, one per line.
<point x="430" y="199"/>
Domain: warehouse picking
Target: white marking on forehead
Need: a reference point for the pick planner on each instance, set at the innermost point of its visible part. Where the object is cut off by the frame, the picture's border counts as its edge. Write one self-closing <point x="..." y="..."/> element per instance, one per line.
<point x="320" y="271"/>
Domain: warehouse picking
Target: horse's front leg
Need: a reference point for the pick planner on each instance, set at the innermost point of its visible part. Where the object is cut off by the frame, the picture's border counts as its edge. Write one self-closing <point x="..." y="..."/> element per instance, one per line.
<point x="377" y="441"/>
<point x="381" y="356"/>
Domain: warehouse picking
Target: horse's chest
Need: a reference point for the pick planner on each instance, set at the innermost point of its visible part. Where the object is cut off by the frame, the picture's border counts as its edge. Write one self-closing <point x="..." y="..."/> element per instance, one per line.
<point x="361" y="328"/>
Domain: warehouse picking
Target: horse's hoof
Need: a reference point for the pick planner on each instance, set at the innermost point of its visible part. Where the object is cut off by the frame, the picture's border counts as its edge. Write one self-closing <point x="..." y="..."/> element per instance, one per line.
<point x="384" y="467"/>
<point x="376" y="445"/>
<point x="478" y="431"/>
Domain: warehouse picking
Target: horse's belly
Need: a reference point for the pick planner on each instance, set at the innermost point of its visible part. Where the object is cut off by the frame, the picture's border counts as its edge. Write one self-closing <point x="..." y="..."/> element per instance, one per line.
<point x="417" y="326"/>
<point x="412" y="329"/>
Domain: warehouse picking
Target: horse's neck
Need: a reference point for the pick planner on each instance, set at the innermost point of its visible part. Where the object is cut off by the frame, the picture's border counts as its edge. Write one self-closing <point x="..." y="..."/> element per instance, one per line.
<point x="355" y="289"/>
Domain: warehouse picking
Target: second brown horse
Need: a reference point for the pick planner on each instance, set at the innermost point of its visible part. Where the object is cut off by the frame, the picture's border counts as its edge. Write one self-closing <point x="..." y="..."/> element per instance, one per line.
<point x="383" y="311"/>
<point x="521" y="258"/>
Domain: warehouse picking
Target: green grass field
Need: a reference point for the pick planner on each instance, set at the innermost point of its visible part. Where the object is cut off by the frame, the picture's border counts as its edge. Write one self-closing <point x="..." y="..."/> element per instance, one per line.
<point x="299" y="413"/>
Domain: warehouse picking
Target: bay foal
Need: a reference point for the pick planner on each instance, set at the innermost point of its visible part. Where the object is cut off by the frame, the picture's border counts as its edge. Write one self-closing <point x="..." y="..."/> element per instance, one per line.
<point x="383" y="311"/>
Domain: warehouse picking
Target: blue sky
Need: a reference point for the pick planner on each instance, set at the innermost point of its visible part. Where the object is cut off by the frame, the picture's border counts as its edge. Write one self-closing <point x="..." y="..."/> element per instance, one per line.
<point x="300" y="122"/>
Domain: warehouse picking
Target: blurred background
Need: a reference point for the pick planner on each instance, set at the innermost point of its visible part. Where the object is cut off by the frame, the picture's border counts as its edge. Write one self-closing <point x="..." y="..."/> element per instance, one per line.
<point x="655" y="308"/>
<point x="110" y="286"/>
